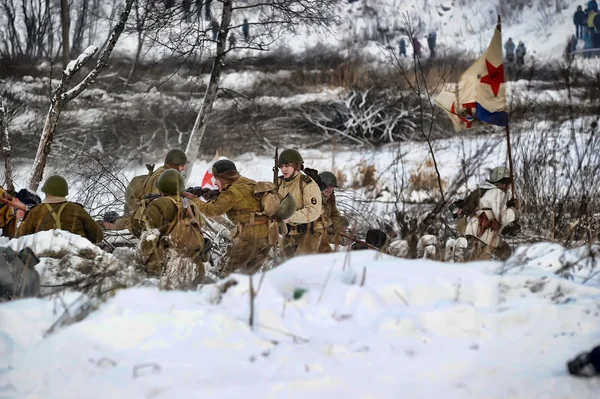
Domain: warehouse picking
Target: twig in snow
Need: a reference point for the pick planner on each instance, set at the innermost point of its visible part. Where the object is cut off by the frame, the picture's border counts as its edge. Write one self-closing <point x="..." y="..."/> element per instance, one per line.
<point x="58" y="322"/>
<point x="137" y="367"/>
<point x="295" y="337"/>
<point x="364" y="276"/>
<point x="325" y="284"/>
<point x="251" y="321"/>
<point x="401" y="297"/>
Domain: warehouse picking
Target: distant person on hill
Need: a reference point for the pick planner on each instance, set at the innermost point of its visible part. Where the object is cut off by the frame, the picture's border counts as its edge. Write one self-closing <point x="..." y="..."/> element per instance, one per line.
<point x="588" y="43"/>
<point x="431" y="43"/>
<point x="571" y="48"/>
<point x="246" y="30"/>
<point x="596" y="34"/>
<point x="417" y="47"/>
<point x="207" y="13"/>
<point x="579" y="19"/>
<point x="509" y="46"/>
<point x="214" y="26"/>
<point x="231" y="40"/>
<point x="403" y="47"/>
<point x="521" y="51"/>
<point x="591" y="14"/>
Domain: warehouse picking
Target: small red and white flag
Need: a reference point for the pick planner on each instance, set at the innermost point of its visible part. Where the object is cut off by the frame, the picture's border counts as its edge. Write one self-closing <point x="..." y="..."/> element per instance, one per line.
<point x="208" y="181"/>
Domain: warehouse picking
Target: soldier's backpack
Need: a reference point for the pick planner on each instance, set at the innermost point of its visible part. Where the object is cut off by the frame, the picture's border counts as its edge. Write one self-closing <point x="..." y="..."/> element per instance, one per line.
<point x="270" y="199"/>
<point x="185" y="232"/>
<point x="137" y="219"/>
<point x="471" y="202"/>
<point x="135" y="190"/>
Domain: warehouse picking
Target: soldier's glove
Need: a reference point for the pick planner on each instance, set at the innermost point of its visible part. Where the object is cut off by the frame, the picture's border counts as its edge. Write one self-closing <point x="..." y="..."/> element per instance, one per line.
<point x="209" y="194"/>
<point x="513" y="203"/>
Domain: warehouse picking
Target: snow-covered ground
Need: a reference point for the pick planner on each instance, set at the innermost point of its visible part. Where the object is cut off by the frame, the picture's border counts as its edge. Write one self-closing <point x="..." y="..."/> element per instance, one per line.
<point x="358" y="325"/>
<point x="462" y="26"/>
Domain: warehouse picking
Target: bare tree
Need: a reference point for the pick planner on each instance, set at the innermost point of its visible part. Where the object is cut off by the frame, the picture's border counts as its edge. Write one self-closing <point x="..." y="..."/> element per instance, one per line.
<point x="65" y="23"/>
<point x="8" y="170"/>
<point x="62" y="95"/>
<point x="273" y="19"/>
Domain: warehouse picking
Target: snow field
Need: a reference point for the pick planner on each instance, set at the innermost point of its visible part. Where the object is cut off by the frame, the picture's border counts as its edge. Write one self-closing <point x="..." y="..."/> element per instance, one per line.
<point x="417" y="327"/>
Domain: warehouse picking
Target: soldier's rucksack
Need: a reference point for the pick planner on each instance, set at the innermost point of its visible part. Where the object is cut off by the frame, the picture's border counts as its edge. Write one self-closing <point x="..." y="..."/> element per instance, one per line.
<point x="185" y="232"/>
<point x="270" y="199"/>
<point x="137" y="218"/>
<point x="135" y="190"/>
<point x="471" y="202"/>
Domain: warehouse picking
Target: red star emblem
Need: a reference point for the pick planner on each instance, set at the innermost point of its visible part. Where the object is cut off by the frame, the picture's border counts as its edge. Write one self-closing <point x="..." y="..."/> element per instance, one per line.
<point x="494" y="78"/>
<point x="207" y="180"/>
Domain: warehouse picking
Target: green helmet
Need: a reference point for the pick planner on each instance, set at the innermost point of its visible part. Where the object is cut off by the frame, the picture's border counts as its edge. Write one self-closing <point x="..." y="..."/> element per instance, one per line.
<point x="170" y="182"/>
<point x="286" y="208"/>
<point x="176" y="157"/>
<point x="56" y="186"/>
<point x="499" y="173"/>
<point x="289" y="156"/>
<point x="329" y="178"/>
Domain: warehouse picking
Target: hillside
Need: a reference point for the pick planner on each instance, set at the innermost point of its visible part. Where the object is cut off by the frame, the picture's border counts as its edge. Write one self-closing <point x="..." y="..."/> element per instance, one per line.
<point x="462" y="26"/>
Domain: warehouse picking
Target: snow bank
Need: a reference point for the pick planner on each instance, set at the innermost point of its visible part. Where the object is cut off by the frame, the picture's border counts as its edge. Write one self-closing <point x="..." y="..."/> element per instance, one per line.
<point x="69" y="261"/>
<point x="355" y="324"/>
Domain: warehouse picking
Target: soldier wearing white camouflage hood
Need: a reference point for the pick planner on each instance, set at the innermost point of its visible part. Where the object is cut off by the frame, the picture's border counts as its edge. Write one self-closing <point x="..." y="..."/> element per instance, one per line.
<point x="494" y="212"/>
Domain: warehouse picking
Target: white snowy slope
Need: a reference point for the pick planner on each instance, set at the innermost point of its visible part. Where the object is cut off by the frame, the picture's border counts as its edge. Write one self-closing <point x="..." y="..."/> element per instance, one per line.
<point x="357" y="325"/>
<point x="463" y="27"/>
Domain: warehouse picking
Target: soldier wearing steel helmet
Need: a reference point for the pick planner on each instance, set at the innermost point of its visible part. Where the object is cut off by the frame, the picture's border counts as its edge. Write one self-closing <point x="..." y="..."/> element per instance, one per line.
<point x="162" y="213"/>
<point x="331" y="219"/>
<point x="250" y="245"/>
<point x="55" y="212"/>
<point x="304" y="234"/>
<point x="495" y="216"/>
<point x="144" y="185"/>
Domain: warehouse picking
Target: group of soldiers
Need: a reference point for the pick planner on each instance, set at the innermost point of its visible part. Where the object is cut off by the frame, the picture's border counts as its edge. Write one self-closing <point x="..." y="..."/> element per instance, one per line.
<point x="297" y="215"/>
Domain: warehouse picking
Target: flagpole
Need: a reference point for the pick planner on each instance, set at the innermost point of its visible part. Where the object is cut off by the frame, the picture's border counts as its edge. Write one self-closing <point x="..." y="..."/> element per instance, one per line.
<point x="510" y="162"/>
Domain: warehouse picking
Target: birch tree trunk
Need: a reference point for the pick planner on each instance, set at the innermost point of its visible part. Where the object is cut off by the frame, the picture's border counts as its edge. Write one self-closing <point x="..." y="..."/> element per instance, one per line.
<point x="193" y="146"/>
<point x="64" y="19"/>
<point x="8" y="170"/>
<point x="62" y="96"/>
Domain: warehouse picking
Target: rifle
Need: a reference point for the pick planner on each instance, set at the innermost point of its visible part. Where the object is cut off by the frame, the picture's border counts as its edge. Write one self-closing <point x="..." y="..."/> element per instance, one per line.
<point x="205" y="193"/>
<point x="276" y="168"/>
<point x="10" y="201"/>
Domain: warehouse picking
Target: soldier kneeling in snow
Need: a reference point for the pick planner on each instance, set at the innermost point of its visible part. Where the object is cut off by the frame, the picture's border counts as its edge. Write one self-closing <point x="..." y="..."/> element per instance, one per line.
<point x="172" y="245"/>
<point x="494" y="216"/>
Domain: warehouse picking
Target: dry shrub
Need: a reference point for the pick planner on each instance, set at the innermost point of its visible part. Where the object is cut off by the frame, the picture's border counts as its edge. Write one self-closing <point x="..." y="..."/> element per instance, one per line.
<point x="425" y="178"/>
<point x="365" y="176"/>
<point x="341" y="178"/>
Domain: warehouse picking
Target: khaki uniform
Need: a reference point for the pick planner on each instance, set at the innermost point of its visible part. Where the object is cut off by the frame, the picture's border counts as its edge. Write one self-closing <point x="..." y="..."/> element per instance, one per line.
<point x="8" y="220"/>
<point x="250" y="247"/>
<point x="332" y="223"/>
<point x="162" y="215"/>
<point x="58" y="213"/>
<point x="151" y="183"/>
<point x="305" y="230"/>
<point x="149" y="188"/>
